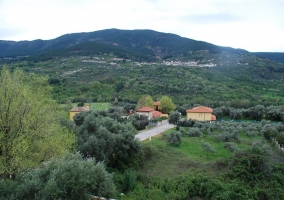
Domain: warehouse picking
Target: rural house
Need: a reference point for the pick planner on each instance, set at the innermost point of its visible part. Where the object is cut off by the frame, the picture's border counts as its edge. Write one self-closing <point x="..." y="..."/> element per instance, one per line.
<point x="201" y="113"/>
<point x="77" y="110"/>
<point x="149" y="112"/>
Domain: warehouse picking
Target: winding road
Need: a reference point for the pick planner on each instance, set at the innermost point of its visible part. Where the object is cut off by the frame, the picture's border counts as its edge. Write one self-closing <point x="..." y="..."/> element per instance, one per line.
<point x="152" y="132"/>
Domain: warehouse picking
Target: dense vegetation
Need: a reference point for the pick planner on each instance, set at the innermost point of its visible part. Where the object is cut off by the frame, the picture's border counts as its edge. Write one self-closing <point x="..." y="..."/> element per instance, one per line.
<point x="239" y="81"/>
<point x="44" y="155"/>
<point x="226" y="160"/>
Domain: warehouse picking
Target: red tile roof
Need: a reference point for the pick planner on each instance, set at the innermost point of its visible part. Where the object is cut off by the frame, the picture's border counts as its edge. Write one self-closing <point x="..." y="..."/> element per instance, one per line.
<point x="156" y="103"/>
<point x="156" y="113"/>
<point x="79" y="109"/>
<point x="145" y="109"/>
<point x="200" y="109"/>
<point x="213" y="118"/>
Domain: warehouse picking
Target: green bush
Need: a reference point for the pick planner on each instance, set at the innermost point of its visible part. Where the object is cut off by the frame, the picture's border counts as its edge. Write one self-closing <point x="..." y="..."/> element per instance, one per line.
<point x="174" y="138"/>
<point x="129" y="180"/>
<point x="194" y="132"/>
<point x="72" y="177"/>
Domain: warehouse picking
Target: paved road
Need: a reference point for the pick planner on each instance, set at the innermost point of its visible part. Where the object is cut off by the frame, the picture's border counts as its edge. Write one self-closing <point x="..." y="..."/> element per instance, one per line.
<point x="152" y="132"/>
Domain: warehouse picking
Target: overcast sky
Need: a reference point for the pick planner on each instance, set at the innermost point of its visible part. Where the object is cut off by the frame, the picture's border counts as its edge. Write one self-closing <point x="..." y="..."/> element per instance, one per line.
<point x="254" y="25"/>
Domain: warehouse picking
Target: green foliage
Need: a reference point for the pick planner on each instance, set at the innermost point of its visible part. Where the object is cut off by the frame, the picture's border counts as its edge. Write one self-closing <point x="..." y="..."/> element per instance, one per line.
<point x="107" y="140"/>
<point x="72" y="177"/>
<point x="80" y="104"/>
<point x="207" y="147"/>
<point x="230" y="146"/>
<point x="229" y="137"/>
<point x="269" y="131"/>
<point x="129" y="180"/>
<point x="167" y="105"/>
<point x="252" y="164"/>
<point x="174" y="118"/>
<point x="30" y="132"/>
<point x="145" y="100"/>
<point x="280" y="138"/>
<point x="138" y="121"/>
<point x="194" y="132"/>
<point x="174" y="138"/>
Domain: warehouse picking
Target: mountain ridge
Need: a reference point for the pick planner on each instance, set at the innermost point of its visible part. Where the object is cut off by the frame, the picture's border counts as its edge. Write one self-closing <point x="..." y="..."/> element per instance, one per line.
<point x="140" y="45"/>
<point x="165" y="43"/>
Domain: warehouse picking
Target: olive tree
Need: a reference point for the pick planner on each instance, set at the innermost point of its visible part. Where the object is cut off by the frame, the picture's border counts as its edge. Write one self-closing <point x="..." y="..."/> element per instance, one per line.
<point x="174" y="118"/>
<point x="71" y="177"/>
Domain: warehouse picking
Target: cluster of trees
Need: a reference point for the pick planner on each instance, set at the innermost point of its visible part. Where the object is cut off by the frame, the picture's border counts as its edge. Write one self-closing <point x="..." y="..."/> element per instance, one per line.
<point x="258" y="112"/>
<point x="248" y="174"/>
<point x="43" y="156"/>
<point x="105" y="139"/>
<point x="166" y="103"/>
<point x="248" y="80"/>
<point x="255" y="172"/>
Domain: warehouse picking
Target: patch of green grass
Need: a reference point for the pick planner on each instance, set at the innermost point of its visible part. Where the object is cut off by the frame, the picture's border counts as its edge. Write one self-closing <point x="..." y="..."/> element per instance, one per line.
<point x="167" y="160"/>
<point x="100" y="106"/>
<point x="93" y="106"/>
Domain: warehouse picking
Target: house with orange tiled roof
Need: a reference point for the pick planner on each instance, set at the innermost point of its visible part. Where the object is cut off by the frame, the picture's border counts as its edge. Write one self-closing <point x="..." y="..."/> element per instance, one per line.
<point x="149" y="112"/>
<point x="201" y="113"/>
<point x="157" y="114"/>
<point x="77" y="110"/>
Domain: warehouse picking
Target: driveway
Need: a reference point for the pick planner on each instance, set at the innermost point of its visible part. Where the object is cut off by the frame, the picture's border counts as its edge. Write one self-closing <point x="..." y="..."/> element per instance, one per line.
<point x="154" y="131"/>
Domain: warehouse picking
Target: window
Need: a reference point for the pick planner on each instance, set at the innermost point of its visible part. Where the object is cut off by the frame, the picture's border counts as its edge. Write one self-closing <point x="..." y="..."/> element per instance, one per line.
<point x="200" y="115"/>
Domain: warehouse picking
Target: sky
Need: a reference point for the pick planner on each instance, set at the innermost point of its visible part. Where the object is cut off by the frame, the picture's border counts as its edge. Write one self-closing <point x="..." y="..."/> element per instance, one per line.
<point x="254" y="25"/>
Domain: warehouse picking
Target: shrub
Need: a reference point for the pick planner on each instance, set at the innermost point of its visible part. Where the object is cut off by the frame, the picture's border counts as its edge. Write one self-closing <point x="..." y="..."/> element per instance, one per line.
<point x="72" y="177"/>
<point x="194" y="132"/>
<point x="230" y="146"/>
<point x="207" y="147"/>
<point x="187" y="123"/>
<point x="229" y="137"/>
<point x="174" y="138"/>
<point x="129" y="180"/>
<point x="269" y="131"/>
<point x="280" y="138"/>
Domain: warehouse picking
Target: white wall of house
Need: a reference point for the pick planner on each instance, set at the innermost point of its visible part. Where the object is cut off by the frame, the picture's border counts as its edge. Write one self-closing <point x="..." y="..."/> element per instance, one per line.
<point x="148" y="114"/>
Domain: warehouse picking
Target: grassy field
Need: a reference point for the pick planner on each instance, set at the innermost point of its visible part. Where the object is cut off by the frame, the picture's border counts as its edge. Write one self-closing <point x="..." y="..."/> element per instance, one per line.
<point x="100" y="106"/>
<point x="168" y="160"/>
<point x="93" y="106"/>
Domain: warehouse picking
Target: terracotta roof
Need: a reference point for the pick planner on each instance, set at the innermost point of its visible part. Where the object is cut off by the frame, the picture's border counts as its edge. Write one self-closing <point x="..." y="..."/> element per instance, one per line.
<point x="200" y="109"/>
<point x="79" y="109"/>
<point x="145" y="109"/>
<point x="156" y="103"/>
<point x="213" y="118"/>
<point x="156" y="113"/>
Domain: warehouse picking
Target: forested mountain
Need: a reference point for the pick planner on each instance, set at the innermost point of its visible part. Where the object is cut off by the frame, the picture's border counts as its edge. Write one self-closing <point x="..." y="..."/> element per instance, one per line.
<point x="278" y="57"/>
<point x="145" y="44"/>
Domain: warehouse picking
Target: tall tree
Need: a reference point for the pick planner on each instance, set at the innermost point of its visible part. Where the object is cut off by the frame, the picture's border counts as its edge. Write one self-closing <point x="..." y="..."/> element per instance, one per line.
<point x="30" y="132"/>
<point x="146" y="100"/>
<point x="167" y="105"/>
